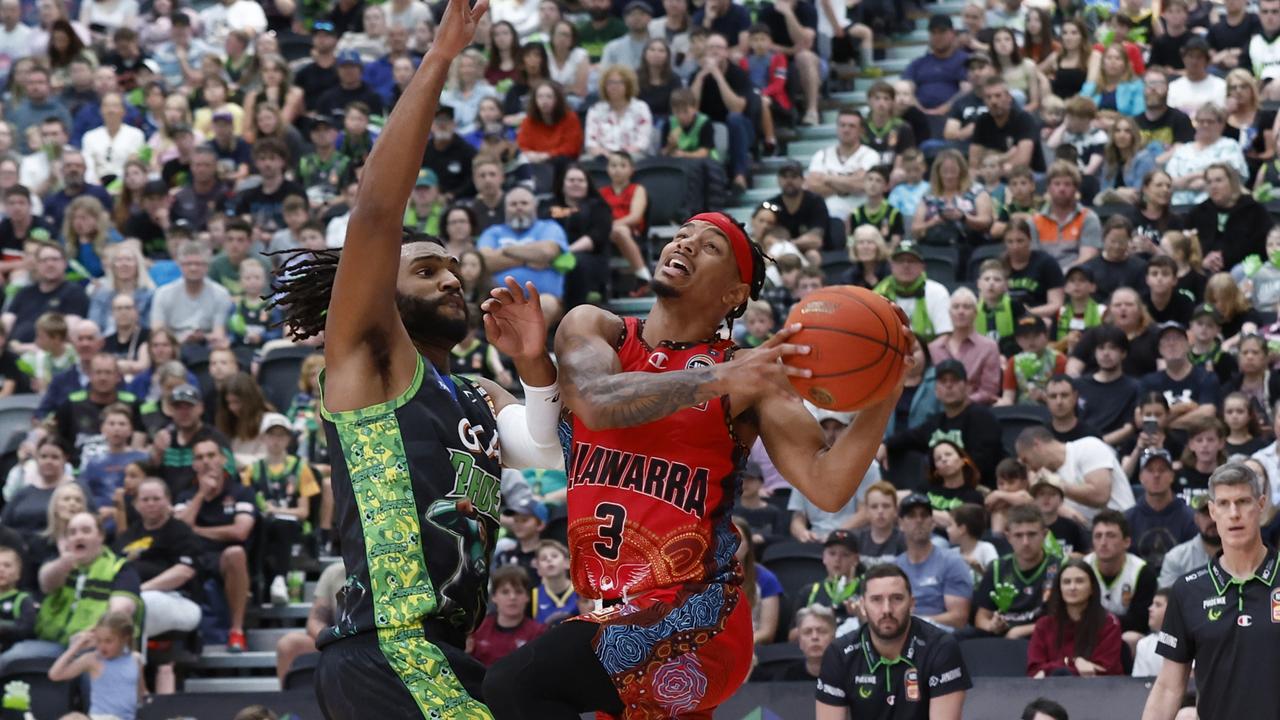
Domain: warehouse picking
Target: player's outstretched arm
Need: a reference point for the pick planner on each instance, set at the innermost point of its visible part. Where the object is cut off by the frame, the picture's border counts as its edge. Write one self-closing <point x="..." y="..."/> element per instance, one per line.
<point x="364" y="336"/>
<point x="602" y="396"/>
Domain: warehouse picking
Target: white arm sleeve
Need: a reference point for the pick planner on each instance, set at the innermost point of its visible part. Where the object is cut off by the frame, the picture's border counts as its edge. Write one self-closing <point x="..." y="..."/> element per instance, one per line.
<point x="529" y="433"/>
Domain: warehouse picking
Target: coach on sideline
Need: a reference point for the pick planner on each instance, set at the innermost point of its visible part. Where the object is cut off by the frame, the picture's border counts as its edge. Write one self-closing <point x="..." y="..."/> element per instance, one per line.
<point x="1226" y="616"/>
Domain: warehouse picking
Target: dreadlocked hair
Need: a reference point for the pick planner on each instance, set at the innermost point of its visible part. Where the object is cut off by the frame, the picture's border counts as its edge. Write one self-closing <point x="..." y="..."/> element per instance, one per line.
<point x="758" y="260"/>
<point x="303" y="286"/>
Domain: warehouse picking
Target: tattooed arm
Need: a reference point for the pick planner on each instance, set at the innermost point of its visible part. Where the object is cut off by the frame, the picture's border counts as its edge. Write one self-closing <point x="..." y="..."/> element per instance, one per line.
<point x="594" y="387"/>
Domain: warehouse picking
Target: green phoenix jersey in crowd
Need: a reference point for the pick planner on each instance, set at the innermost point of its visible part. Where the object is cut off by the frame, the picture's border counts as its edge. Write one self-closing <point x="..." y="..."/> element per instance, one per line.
<point x="416" y="494"/>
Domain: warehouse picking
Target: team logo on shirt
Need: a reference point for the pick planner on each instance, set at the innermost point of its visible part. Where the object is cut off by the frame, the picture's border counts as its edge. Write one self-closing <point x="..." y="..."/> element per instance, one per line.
<point x="1275" y="606"/>
<point x="1214" y="614"/>
<point x="658" y="360"/>
<point x="912" y="679"/>
<point x="699" y="361"/>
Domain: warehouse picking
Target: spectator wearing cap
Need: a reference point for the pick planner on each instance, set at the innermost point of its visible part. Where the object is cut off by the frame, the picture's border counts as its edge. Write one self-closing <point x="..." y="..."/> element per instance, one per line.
<point x="525" y="519"/>
<point x="150" y="222"/>
<point x="926" y="302"/>
<point x="222" y="512"/>
<point x="810" y="523"/>
<point x="452" y="158"/>
<point x="969" y="106"/>
<point x="1194" y="554"/>
<point x="234" y="153"/>
<point x="802" y="212"/>
<point x="1159" y="520"/>
<point x="1229" y="222"/>
<point x="321" y="171"/>
<point x="939" y="74"/>
<point x="283" y="486"/>
<point x="194" y="308"/>
<point x="841" y="590"/>
<point x="1197" y="86"/>
<point x="942" y="582"/>
<point x="204" y="193"/>
<point x="767" y="521"/>
<point x="1067" y="535"/>
<point x="321" y="73"/>
<point x="1091" y="475"/>
<point x="974" y="425"/>
<point x="1207" y="353"/>
<point x="114" y="142"/>
<point x="263" y="205"/>
<point x="425" y="205"/>
<point x="75" y="183"/>
<point x="1027" y="372"/>
<point x="836" y="173"/>
<point x="172" y="446"/>
<point x="980" y="354"/>
<point x="350" y="88"/>
<point x="628" y="50"/>
<point x="1115" y="266"/>
<point x="1063" y="401"/>
<point x="1192" y="392"/>
<point x="36" y="106"/>
<point x="1007" y="131"/>
<point x="1070" y="232"/>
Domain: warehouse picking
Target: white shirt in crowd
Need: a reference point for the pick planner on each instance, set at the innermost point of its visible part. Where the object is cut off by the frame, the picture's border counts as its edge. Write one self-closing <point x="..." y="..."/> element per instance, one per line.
<point x="1189" y="96"/>
<point x="523" y="14"/>
<point x="109" y="153"/>
<point x="1087" y="455"/>
<point x="37" y="167"/>
<point x="829" y="162"/>
<point x="219" y="19"/>
<point x="15" y="44"/>
<point x="937" y="302"/>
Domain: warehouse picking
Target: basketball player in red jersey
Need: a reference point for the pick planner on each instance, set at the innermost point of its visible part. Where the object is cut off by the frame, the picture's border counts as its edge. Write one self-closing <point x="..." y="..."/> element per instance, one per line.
<point x="663" y="416"/>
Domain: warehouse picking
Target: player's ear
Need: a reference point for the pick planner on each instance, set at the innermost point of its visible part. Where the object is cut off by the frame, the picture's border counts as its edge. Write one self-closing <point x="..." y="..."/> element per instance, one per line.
<point x="738" y="295"/>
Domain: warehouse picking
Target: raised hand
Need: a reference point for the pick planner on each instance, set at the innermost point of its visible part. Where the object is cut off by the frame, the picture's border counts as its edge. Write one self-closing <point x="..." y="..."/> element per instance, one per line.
<point x="458" y="26"/>
<point x="755" y="370"/>
<point x="513" y="320"/>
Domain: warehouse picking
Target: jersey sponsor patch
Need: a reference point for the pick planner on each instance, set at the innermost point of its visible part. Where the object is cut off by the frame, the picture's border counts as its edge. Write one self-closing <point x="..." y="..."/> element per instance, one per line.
<point x="1215" y="601"/>
<point x="831" y="690"/>
<point x="1244" y="620"/>
<point x="1275" y="606"/>
<point x="1165" y="638"/>
<point x="912" y="680"/>
<point x="948" y="676"/>
<point x="699" y="361"/>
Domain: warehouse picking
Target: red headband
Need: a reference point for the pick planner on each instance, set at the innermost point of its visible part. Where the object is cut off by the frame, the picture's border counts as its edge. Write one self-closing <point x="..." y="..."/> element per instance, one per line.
<point x="737" y="239"/>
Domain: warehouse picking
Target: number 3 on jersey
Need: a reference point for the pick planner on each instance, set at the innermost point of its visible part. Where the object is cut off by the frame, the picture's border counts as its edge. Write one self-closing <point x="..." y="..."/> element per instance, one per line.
<point x="613" y="517"/>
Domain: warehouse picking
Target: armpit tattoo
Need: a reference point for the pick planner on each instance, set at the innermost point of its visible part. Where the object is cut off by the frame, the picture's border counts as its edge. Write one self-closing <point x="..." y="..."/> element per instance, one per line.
<point x="633" y="398"/>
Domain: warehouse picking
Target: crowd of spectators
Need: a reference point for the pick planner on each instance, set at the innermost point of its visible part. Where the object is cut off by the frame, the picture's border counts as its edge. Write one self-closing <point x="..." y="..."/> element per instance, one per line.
<point x="1071" y="203"/>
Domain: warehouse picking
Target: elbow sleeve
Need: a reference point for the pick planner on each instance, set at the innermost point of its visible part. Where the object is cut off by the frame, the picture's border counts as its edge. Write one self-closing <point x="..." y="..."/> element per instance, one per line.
<point x="529" y="438"/>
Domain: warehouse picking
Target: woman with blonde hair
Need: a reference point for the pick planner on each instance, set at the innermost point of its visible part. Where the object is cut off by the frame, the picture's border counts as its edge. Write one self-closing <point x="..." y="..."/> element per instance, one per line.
<point x="1185" y="250"/>
<point x="465" y="89"/>
<point x="1126" y="160"/>
<point x="952" y="209"/>
<point x="869" y="255"/>
<point x="125" y="271"/>
<point x="1244" y="103"/>
<point x="1237" y="317"/>
<point x="1111" y="84"/>
<point x="86" y="232"/>
<point x="620" y="121"/>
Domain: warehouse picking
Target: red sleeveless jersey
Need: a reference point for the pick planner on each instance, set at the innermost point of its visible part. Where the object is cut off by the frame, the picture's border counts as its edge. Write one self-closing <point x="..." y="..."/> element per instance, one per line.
<point x="649" y="506"/>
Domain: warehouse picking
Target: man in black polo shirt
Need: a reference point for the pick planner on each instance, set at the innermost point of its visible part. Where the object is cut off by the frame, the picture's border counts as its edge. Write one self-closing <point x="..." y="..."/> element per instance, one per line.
<point x="222" y="512"/>
<point x="1063" y="402"/>
<point x="802" y="212"/>
<point x="966" y="109"/>
<point x="1225" y="617"/>
<point x="1014" y="588"/>
<point x="173" y="446"/>
<point x="78" y="418"/>
<point x="49" y="293"/>
<point x="1009" y="131"/>
<point x="164" y="550"/>
<point x="897" y="666"/>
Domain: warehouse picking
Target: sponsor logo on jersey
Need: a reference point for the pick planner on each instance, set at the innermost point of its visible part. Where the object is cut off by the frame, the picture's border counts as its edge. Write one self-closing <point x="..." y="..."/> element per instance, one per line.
<point x="699" y="361"/>
<point x="1214" y="601"/>
<point x="912" y="679"/>
<point x="1245" y="621"/>
<point x="865" y="691"/>
<point x="1275" y="606"/>
<point x="659" y="360"/>
<point x="865" y="679"/>
<point x="829" y="689"/>
<point x="1214" y="614"/>
<point x="671" y="482"/>
<point x="1165" y="638"/>
<point x="948" y="676"/>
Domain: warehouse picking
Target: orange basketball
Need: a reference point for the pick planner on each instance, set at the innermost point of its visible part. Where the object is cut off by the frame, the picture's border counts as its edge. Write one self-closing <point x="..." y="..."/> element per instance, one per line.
<point x="857" y="347"/>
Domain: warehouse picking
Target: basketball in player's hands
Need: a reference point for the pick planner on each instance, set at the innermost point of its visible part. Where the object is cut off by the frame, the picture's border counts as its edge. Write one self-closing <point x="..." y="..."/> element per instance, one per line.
<point x="858" y="347"/>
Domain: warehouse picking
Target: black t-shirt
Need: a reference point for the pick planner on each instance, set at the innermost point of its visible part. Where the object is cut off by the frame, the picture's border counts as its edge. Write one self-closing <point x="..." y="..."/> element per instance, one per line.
<point x="1108" y="406"/>
<point x="1140" y="360"/>
<point x="140" y="225"/>
<point x="78" y="422"/>
<point x="452" y="165"/>
<point x="730" y="25"/>
<point x="1031" y="588"/>
<point x="1080" y="430"/>
<point x="30" y="303"/>
<point x="1179" y="308"/>
<point x="154" y="551"/>
<point x="967" y="109"/>
<point x="1166" y="50"/>
<point x="267" y="208"/>
<point x="1152" y="230"/>
<point x="314" y="81"/>
<point x="9" y="371"/>
<point x="11" y="242"/>
<point x="1019" y="126"/>
<point x="1172" y="127"/>
<point x="176" y="172"/>
<point x="125" y="348"/>
<point x="712" y="104"/>
<point x="1227" y="629"/>
<point x="805" y="12"/>
<point x="948" y="499"/>
<point x="811" y="215"/>
<point x="770" y="521"/>
<point x="1071" y="534"/>
<point x="1222" y="36"/>
<point x="1031" y="285"/>
<point x="854" y="675"/>
<point x="873" y="553"/>
<point x="1108" y="275"/>
<point x="338" y="98"/>
<point x="234" y="500"/>
<point x="175" y="465"/>
<point x="1198" y="386"/>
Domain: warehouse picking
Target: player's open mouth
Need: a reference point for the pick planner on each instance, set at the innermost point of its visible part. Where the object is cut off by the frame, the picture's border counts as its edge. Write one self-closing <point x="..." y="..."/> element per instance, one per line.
<point x="678" y="266"/>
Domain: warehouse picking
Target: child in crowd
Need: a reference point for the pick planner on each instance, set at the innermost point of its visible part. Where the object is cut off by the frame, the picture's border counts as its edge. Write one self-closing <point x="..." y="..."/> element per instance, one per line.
<point x="989" y="175"/>
<point x="510" y="627"/>
<point x="104" y="468"/>
<point x="52" y="353"/>
<point x="1206" y="344"/>
<point x="1027" y="373"/>
<point x="1259" y="276"/>
<point x="877" y="211"/>
<point x="253" y="322"/>
<point x="312" y="236"/>
<point x="1012" y="490"/>
<point x="843" y="585"/>
<point x="525" y="520"/>
<point x="781" y="278"/>
<point x="1078" y="131"/>
<point x="1067" y="536"/>
<point x="811" y="279"/>
<point x="1205" y="452"/>
<point x="122" y="499"/>
<point x="907" y="194"/>
<point x="1146" y="662"/>
<point x="1053" y="110"/>
<point x="628" y="202"/>
<point x="885" y="132"/>
<point x="998" y="312"/>
<point x="116" y="682"/>
<point x="357" y="139"/>
<point x="757" y="326"/>
<point x="1080" y="312"/>
<point x="304" y="414"/>
<point x="969" y="522"/>
<point x="321" y="171"/>
<point x="554" y="600"/>
<point x="768" y="71"/>
<point x="1019" y="198"/>
<point x="1163" y="298"/>
<point x="289" y="237"/>
<point x="689" y="133"/>
<point x="17" y="608"/>
<point x="283" y="485"/>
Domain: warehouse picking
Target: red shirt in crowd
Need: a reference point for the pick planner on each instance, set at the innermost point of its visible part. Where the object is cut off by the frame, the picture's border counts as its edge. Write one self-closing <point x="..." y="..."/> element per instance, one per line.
<point x="1046" y="654"/>
<point x="492" y="642"/>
